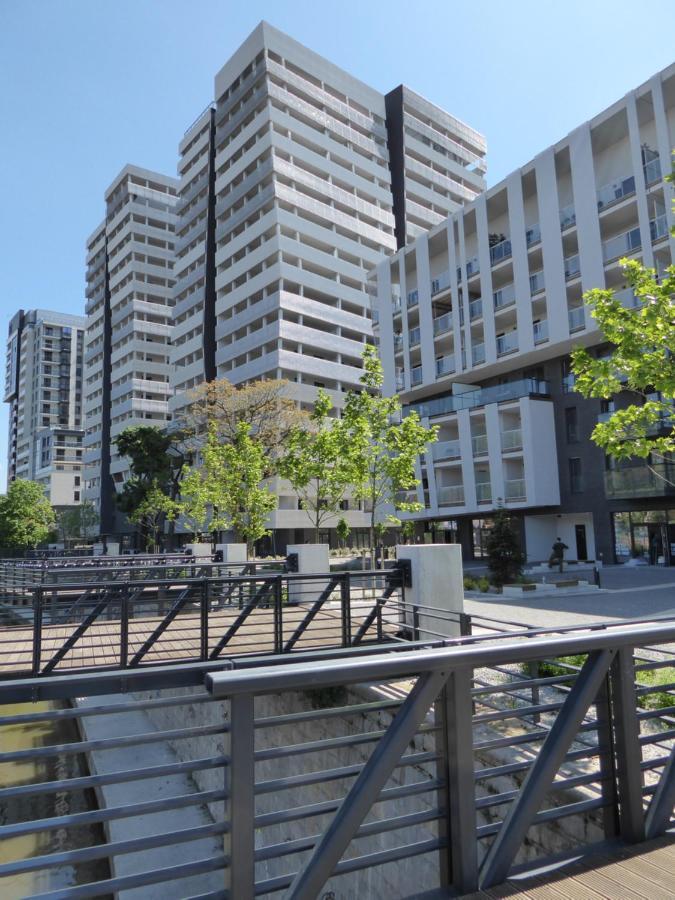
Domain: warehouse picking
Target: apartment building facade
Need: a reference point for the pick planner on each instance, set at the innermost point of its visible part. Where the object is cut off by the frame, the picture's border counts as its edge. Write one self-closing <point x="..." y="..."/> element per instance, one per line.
<point x="294" y="183"/>
<point x="43" y="388"/>
<point x="476" y="321"/>
<point x="130" y="262"/>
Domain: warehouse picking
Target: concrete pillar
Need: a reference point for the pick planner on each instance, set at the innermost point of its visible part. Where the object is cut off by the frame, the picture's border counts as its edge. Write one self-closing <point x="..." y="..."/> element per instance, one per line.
<point x="199" y="550"/>
<point x="233" y="553"/>
<point x="312" y="558"/>
<point x="437" y="581"/>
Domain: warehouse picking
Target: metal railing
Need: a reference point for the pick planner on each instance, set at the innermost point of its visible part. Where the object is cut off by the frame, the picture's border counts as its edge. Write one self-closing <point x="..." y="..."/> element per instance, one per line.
<point x="446" y="450"/>
<point x="450" y="494"/>
<point x="576" y="318"/>
<point x="380" y="771"/>
<point x="475" y="309"/>
<point x="617" y="190"/>
<point x="443" y="323"/>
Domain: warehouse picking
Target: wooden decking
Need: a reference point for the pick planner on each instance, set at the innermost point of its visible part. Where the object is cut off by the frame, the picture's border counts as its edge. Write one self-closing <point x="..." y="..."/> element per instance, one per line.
<point x="640" y="872"/>
<point x="99" y="646"/>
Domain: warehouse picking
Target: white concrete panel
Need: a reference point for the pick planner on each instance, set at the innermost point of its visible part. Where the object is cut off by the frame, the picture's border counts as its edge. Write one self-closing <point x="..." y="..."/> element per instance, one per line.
<point x="521" y="272"/>
<point x="482" y="229"/>
<point x="639" y="175"/>
<point x="552" y="249"/>
<point x="426" y="324"/>
<point x="586" y="208"/>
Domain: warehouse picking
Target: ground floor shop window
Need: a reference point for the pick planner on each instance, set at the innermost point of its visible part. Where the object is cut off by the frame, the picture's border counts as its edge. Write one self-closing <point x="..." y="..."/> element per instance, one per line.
<point x="481" y="529"/>
<point x="646" y="535"/>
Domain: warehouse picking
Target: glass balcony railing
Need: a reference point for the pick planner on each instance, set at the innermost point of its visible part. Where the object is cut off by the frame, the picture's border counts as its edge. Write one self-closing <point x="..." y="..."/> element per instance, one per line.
<point x="440" y="283"/>
<point x="375" y="316"/>
<point x="514" y="489"/>
<point x="475" y="309"/>
<point x="618" y="246"/>
<point x="497" y="393"/>
<point x="413" y="298"/>
<point x="450" y="494"/>
<point x="572" y="266"/>
<point x="395" y="302"/>
<point x="658" y="227"/>
<point x="540" y="331"/>
<point x="512" y="439"/>
<point x="627" y="298"/>
<point x="568" y="217"/>
<point x="445" y="366"/>
<point x="479" y="444"/>
<point x="400" y="380"/>
<point x="416" y="376"/>
<point x="537" y="282"/>
<point x="501" y="251"/>
<point x="532" y="235"/>
<point x="443" y="323"/>
<point x="507" y="343"/>
<point x="577" y="318"/>
<point x="472" y="268"/>
<point x="617" y="190"/>
<point x="657" y="480"/>
<point x="483" y="491"/>
<point x="414" y="336"/>
<point x="477" y="354"/>
<point x="505" y="296"/>
<point x="446" y="450"/>
<point x="398" y="342"/>
<point x="652" y="170"/>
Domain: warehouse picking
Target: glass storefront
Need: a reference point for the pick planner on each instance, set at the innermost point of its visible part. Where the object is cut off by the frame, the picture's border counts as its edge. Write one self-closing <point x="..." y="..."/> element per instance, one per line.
<point x="645" y="534"/>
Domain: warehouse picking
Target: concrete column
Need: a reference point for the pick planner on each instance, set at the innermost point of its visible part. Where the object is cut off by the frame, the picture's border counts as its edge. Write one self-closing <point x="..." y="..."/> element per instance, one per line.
<point x="426" y="324"/>
<point x="521" y="271"/>
<point x="199" y="550"/>
<point x="437" y="581"/>
<point x="386" y="310"/>
<point x="664" y="146"/>
<point x="482" y="232"/>
<point x="639" y="175"/>
<point x="233" y="553"/>
<point x="551" y="245"/>
<point x="312" y="558"/>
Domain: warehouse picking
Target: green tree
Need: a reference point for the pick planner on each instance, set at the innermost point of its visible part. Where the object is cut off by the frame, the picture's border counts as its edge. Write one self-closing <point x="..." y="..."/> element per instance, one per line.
<point x="639" y="371"/>
<point x="408" y="530"/>
<point x="26" y="518"/>
<point x="505" y="558"/>
<point x="343" y="531"/>
<point x="382" y="448"/>
<point x="155" y="508"/>
<point x="315" y="464"/>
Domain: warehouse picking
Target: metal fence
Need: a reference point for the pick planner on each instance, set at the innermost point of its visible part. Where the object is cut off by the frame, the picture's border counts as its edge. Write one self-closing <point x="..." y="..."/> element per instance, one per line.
<point x="374" y="771"/>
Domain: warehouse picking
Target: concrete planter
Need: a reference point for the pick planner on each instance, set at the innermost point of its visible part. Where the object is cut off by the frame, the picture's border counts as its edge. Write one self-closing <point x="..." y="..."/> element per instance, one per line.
<point x="199" y="550"/>
<point x="233" y="553"/>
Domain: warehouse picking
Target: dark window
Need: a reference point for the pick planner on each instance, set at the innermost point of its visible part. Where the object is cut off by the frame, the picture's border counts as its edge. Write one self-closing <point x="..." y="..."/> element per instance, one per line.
<point x="571" y="426"/>
<point x="567" y="377"/>
<point x="576" y="479"/>
<point x="607" y="406"/>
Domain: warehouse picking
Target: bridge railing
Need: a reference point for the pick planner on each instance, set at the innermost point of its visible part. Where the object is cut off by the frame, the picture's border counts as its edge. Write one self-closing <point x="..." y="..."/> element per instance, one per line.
<point x="380" y="770"/>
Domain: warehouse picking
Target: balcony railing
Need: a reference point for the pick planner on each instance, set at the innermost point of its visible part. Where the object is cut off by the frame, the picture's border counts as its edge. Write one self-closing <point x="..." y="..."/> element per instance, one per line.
<point x="627" y="298"/>
<point x="472" y="268"/>
<point x="446" y="450"/>
<point x="501" y="251"/>
<point x="400" y="381"/>
<point x="445" y="366"/>
<point x="540" y="331"/>
<point x="414" y="336"/>
<point x="568" y="217"/>
<point x="505" y="296"/>
<point x="440" y="283"/>
<point x="450" y="495"/>
<point x="398" y="341"/>
<point x="477" y="354"/>
<point x="617" y="190"/>
<point x="532" y="235"/>
<point x="483" y="491"/>
<point x="416" y="376"/>
<point x="479" y="444"/>
<point x="537" y="282"/>
<point x="658" y="227"/>
<point x="652" y="170"/>
<point x="412" y="298"/>
<point x="507" y="343"/>
<point x="514" y="489"/>
<point x="618" y="246"/>
<point x="577" y="318"/>
<point x="657" y="480"/>
<point x="443" y="323"/>
<point x="395" y="302"/>
<point x="512" y="439"/>
<point x="498" y="393"/>
<point x="475" y="309"/>
<point x="572" y="266"/>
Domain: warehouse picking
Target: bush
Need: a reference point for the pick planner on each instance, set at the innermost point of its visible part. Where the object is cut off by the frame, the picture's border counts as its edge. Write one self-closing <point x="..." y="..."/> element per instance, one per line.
<point x="469" y="583"/>
<point x="483" y="584"/>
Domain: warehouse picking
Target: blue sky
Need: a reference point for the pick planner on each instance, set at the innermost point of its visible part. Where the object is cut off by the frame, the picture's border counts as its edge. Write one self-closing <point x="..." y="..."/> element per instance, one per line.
<point x="89" y="85"/>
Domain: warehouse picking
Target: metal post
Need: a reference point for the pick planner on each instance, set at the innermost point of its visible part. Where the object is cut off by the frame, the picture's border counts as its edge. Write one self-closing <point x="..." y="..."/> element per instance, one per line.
<point x="37" y="630"/>
<point x="124" y="628"/>
<point x="204" y="620"/>
<point x="610" y="811"/>
<point x="627" y="746"/>
<point x="278" y="616"/>
<point x="240" y="841"/>
<point x="345" y="603"/>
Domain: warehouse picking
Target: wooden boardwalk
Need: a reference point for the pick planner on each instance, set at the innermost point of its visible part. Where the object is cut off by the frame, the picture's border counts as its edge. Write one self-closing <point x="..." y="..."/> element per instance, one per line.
<point x="639" y="872"/>
<point x="99" y="646"/>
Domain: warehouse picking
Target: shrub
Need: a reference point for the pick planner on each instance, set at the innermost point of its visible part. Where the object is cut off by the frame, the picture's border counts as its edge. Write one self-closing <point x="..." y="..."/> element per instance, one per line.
<point x="505" y="558"/>
<point x="469" y="583"/>
<point x="483" y="584"/>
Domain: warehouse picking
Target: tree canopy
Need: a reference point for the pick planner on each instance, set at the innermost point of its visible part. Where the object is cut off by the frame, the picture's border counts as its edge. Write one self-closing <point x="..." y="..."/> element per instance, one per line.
<point x="26" y="518"/>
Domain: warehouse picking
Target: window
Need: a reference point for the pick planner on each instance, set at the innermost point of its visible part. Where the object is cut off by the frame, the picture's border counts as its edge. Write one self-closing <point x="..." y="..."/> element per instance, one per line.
<point x="567" y="377"/>
<point x="576" y="479"/>
<point x="571" y="425"/>
<point x="76" y="495"/>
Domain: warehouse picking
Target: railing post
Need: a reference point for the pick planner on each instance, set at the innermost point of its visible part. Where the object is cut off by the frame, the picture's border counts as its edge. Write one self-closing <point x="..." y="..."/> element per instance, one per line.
<point x="204" y="620"/>
<point x="240" y="841"/>
<point x="346" y="605"/>
<point x="124" y="628"/>
<point x="610" y="811"/>
<point x="37" y="630"/>
<point x="627" y="751"/>
<point x="278" y="615"/>
<point x="458" y="855"/>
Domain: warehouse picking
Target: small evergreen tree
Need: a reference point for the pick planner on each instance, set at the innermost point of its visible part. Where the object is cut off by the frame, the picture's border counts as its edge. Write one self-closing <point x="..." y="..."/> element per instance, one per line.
<point x="343" y="531"/>
<point x="505" y="558"/>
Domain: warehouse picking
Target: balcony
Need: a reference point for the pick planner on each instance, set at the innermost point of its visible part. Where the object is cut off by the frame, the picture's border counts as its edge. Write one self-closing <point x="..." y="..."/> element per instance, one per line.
<point x="512" y="439"/>
<point x="412" y="298"/>
<point x="532" y="235"/>
<point x="446" y="450"/>
<point x="617" y="190"/>
<point x="572" y="266"/>
<point x="504" y="297"/>
<point x="501" y="251"/>
<point x="514" y="489"/>
<point x="477" y="354"/>
<point x="576" y="318"/>
<point x="414" y="336"/>
<point x="483" y="491"/>
<point x="537" y="282"/>
<point x="400" y="380"/>
<point x="568" y="217"/>
<point x="440" y="283"/>
<point x="450" y="495"/>
<point x="507" y="343"/>
<point x="416" y="376"/>
<point x="395" y="302"/>
<point x="398" y="342"/>
<point x="445" y="366"/>
<point x="472" y="268"/>
<point x="627" y="298"/>
<point x="443" y="323"/>
<point x="479" y="444"/>
<point x="621" y="244"/>
<point x="498" y="393"/>
<point x="652" y="170"/>
<point x="475" y="309"/>
<point x="540" y="331"/>
<point x="657" y="480"/>
<point x="658" y="227"/>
